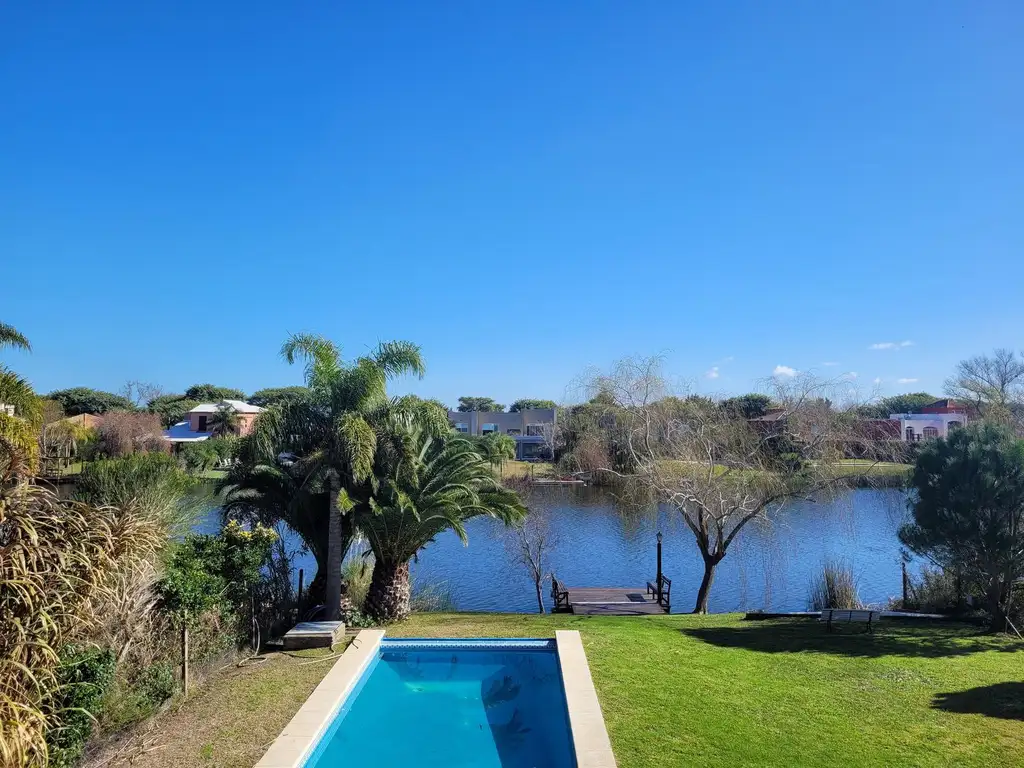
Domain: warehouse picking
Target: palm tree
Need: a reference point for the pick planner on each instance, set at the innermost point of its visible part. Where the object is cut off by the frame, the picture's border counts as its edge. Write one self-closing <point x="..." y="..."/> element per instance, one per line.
<point x="333" y="433"/>
<point x="437" y="485"/>
<point x="11" y="337"/>
<point x="272" y="494"/>
<point x="497" y="448"/>
<point x="20" y="408"/>
<point x="224" y="421"/>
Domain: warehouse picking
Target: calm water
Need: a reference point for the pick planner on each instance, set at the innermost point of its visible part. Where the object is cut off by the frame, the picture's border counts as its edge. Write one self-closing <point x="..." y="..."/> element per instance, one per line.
<point x="485" y="708"/>
<point x="595" y="544"/>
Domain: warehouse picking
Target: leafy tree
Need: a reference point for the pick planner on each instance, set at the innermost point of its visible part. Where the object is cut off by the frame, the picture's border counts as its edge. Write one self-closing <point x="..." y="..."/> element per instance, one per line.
<point x="749" y="406"/>
<point x="277" y="396"/>
<point x="428" y="486"/>
<point x="969" y="509"/>
<point x="210" y="571"/>
<point x="171" y="408"/>
<point x="334" y="433"/>
<point x="78" y="400"/>
<point x="908" y="403"/>
<point x="224" y="421"/>
<point x="528" y="405"/>
<point x="208" y="393"/>
<point x="11" y="337"/>
<point x="467" y="404"/>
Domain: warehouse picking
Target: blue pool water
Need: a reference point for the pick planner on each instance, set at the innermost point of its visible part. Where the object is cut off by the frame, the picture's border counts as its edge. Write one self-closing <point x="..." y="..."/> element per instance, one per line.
<point x="486" y="704"/>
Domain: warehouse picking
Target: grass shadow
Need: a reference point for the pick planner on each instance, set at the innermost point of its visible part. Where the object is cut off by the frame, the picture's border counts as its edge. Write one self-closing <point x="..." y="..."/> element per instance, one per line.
<point x="1004" y="700"/>
<point x="889" y="639"/>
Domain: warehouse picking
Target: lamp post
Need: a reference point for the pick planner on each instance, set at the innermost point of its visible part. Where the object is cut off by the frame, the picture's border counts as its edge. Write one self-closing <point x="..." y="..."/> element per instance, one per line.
<point x="657" y="581"/>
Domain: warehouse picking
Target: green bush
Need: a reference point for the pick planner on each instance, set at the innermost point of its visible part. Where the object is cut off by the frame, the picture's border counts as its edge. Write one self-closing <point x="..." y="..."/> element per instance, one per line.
<point x="216" y="574"/>
<point x="84" y="677"/>
<point x="132" y="702"/>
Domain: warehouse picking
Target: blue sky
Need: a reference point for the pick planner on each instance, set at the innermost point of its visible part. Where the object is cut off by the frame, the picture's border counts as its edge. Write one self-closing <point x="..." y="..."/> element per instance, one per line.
<point x="524" y="189"/>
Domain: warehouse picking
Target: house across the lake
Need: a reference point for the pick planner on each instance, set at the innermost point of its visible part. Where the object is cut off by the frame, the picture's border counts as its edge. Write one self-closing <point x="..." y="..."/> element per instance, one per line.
<point x="533" y="430"/>
<point x="198" y="422"/>
<point x="934" y="420"/>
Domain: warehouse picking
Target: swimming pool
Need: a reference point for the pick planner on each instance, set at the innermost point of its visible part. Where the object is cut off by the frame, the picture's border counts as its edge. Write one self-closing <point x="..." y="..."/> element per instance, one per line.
<point x="486" y="703"/>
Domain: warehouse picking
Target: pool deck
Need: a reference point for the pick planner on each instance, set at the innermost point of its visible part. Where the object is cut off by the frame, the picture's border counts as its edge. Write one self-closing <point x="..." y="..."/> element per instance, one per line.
<point x="613" y="601"/>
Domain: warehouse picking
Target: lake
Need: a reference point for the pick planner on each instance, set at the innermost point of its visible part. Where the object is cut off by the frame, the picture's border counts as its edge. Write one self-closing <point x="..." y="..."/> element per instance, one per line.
<point x="594" y="543"/>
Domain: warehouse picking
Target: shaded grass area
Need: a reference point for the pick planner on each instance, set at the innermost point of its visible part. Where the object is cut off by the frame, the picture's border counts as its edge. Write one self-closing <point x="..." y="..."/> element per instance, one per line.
<point x="700" y="690"/>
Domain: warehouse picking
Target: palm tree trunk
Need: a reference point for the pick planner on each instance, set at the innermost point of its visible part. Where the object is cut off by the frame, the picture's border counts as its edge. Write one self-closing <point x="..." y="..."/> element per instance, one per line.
<point x="334" y="554"/>
<point x="390" y="594"/>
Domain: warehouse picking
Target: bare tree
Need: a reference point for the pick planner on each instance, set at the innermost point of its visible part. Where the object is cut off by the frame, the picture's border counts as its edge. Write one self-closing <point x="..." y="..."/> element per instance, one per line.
<point x="531" y="541"/>
<point x="139" y="393"/>
<point x="994" y="384"/>
<point x="123" y="433"/>
<point x="720" y="470"/>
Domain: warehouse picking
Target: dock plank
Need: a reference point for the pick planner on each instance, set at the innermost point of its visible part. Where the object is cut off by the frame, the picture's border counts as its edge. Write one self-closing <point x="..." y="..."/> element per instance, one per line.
<point x="612" y="601"/>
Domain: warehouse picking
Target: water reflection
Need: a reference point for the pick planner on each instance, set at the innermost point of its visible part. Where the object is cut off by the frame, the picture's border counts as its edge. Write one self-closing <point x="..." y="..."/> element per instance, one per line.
<point x="596" y="542"/>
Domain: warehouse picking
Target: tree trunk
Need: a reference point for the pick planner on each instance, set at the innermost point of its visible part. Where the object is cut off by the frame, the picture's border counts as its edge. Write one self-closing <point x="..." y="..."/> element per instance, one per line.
<point x="995" y="606"/>
<point x="540" y="598"/>
<point x="710" y="563"/>
<point x="390" y="592"/>
<point x="332" y="593"/>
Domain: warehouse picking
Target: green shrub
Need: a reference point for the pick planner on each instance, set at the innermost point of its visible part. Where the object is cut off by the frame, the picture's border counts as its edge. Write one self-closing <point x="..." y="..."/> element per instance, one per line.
<point x="134" y="701"/>
<point x="84" y="676"/>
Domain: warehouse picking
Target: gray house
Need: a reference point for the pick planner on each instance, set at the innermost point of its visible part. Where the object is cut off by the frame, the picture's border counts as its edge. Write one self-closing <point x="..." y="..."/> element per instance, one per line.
<point x="533" y="430"/>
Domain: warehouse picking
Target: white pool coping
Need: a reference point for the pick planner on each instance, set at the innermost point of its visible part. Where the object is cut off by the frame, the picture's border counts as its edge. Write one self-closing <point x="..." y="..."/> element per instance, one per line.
<point x="590" y="738"/>
<point x="299" y="738"/>
<point x="303" y="732"/>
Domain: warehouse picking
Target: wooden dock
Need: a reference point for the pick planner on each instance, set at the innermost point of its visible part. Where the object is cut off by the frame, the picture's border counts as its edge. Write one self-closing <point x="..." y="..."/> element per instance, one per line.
<point x="610" y="601"/>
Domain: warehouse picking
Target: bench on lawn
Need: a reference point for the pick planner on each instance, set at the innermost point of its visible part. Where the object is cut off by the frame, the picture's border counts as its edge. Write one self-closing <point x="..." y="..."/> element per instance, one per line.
<point x="559" y="594"/>
<point x="661" y="588"/>
<point x="849" y="616"/>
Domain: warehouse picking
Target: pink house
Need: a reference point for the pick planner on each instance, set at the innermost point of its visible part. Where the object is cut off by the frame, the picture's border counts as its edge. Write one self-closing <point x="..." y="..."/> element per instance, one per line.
<point x="199" y="421"/>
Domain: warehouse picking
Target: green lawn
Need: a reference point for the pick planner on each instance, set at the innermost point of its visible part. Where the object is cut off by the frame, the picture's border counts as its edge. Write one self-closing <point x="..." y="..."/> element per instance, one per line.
<point x="720" y="691"/>
<point x="698" y="691"/>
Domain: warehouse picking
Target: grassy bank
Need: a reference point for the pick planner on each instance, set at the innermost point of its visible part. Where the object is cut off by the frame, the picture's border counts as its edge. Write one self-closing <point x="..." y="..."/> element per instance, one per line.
<point x="693" y="690"/>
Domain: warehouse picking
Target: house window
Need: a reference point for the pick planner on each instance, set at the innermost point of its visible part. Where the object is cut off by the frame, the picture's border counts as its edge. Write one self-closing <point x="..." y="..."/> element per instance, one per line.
<point x="535" y="430"/>
<point x="910" y="434"/>
<point x="488" y="428"/>
<point x="202" y="423"/>
<point x="953" y="425"/>
<point x="514" y="432"/>
<point x="929" y="432"/>
<point x="461" y="427"/>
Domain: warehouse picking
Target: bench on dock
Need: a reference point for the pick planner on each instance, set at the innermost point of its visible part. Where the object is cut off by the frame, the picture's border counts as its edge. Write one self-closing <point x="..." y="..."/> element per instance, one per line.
<point x="559" y="594"/>
<point x="849" y="616"/>
<point x="661" y="588"/>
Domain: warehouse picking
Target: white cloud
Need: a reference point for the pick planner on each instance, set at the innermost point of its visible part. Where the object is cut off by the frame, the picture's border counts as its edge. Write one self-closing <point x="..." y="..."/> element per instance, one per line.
<point x="877" y="380"/>
<point x="891" y="345"/>
<point x="830" y="364"/>
<point x="784" y="370"/>
<point x="906" y="381"/>
<point x="712" y="373"/>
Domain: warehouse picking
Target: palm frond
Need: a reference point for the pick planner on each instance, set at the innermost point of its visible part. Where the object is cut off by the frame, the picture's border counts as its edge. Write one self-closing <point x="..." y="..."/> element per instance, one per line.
<point x="321" y="356"/>
<point x="397" y="358"/>
<point x="12" y="337"/>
